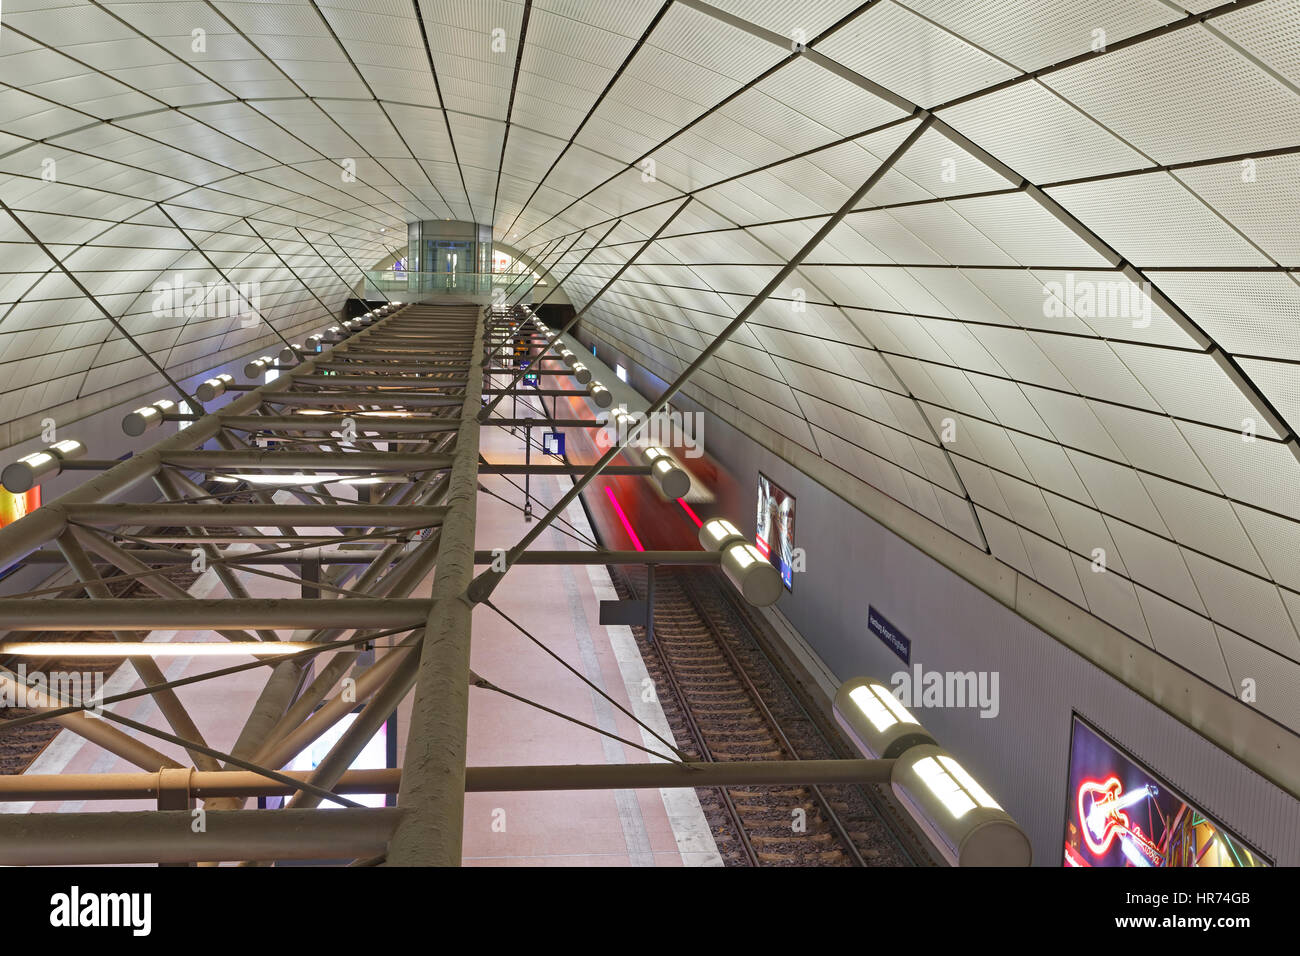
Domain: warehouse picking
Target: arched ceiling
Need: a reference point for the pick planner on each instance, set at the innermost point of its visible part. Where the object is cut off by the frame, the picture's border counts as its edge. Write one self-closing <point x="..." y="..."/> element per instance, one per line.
<point x="942" y="344"/>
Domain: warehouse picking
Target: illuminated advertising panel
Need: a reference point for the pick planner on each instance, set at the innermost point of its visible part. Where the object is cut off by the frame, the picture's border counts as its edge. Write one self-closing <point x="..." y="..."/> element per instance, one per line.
<point x="775" y="528"/>
<point x="1119" y="813"/>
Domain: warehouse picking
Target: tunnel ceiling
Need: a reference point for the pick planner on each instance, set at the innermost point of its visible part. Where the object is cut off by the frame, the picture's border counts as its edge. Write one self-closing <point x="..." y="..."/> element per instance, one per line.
<point x="963" y="341"/>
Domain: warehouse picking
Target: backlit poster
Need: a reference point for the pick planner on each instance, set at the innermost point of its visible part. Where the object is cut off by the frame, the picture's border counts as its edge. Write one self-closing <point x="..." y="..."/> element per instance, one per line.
<point x="1119" y="813"/>
<point x="775" y="534"/>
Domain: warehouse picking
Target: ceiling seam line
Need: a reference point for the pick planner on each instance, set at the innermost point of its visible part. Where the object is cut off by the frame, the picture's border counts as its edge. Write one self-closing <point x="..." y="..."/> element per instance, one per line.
<point x="167" y="107"/>
<point x="442" y="104"/>
<point x="218" y="270"/>
<point x="378" y="102"/>
<point x="510" y="106"/>
<point x="106" y="314"/>
<point x="591" y="111"/>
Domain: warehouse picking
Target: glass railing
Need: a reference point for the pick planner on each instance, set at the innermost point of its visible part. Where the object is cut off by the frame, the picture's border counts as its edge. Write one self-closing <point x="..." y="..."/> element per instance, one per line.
<point x="413" y="285"/>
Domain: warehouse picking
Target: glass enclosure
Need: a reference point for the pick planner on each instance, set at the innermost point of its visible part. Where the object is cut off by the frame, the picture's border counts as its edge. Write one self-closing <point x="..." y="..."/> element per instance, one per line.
<point x="448" y="247"/>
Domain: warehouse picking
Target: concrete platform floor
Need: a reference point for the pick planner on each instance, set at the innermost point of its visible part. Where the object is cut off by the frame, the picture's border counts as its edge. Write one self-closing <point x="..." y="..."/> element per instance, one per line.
<point x="560" y="607"/>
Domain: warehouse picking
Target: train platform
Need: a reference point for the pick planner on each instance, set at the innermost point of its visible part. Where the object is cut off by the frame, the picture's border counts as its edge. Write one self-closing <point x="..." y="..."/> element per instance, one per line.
<point x="561" y="604"/>
<point x="602" y="828"/>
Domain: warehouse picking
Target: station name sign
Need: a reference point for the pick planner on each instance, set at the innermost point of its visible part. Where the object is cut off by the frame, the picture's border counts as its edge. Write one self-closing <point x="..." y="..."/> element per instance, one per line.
<point x="891" y="636"/>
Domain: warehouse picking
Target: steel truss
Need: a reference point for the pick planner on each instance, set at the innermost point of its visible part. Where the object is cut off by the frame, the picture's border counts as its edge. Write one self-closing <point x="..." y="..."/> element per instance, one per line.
<point x="388" y="583"/>
<point x="399" y="431"/>
<point x="395" y="407"/>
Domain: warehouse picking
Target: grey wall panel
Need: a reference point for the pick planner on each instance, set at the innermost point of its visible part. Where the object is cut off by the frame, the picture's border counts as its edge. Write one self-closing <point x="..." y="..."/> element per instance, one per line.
<point x="1020" y="755"/>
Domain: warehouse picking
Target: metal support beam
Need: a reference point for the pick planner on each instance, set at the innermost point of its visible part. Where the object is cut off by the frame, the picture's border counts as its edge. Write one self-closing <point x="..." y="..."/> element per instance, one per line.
<point x="617" y="776"/>
<point x="380" y="425"/>
<point x="433" y="786"/>
<point x="225" y="515"/>
<point x="365" y="556"/>
<point x="129" y="614"/>
<point x="325" y="461"/>
<point x="166" y="836"/>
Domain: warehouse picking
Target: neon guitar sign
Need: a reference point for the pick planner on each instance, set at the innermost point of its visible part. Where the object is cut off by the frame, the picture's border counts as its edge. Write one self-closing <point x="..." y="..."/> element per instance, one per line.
<point x="1103" y="820"/>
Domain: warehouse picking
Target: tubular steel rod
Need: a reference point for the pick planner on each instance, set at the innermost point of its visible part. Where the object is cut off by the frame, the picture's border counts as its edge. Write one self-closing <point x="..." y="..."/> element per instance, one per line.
<point x="132" y="614"/>
<point x="169" y="704"/>
<point x="319" y="460"/>
<point x="433" y="786"/>
<point x="166" y="836"/>
<point x="330" y="423"/>
<point x="381" y="381"/>
<point x="626" y="776"/>
<point x="366" y="556"/>
<point x="381" y="396"/>
<point x="225" y="515"/>
<point x="391" y="368"/>
<point x="375" y="353"/>
<point x="553" y="423"/>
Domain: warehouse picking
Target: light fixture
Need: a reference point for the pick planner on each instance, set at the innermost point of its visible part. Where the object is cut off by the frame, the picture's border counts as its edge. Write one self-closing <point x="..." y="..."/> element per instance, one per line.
<point x="965" y="823"/>
<point x="258" y="367"/>
<point x="138" y="422"/>
<point x="381" y="413"/>
<point x="600" y="395"/>
<point x="213" y="387"/>
<point x="674" y="481"/>
<point x="717" y="533"/>
<point x="265" y="479"/>
<point x="290" y="354"/>
<point x="307" y="480"/>
<point x="581" y="373"/>
<point x="62" y="649"/>
<point x="875" y="719"/>
<point x="758" y="581"/>
<point x="313" y="342"/>
<point x="29" y="471"/>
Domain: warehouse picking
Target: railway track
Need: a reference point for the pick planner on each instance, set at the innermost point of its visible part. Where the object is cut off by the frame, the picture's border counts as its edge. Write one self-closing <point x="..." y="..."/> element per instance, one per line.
<point x="725" y="699"/>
